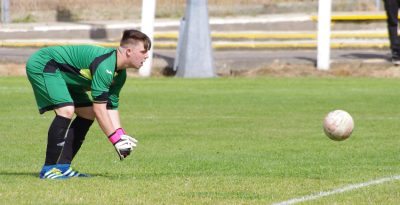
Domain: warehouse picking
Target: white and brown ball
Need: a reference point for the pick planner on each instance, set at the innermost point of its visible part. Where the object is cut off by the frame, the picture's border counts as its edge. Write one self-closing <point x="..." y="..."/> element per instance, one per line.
<point x="338" y="125"/>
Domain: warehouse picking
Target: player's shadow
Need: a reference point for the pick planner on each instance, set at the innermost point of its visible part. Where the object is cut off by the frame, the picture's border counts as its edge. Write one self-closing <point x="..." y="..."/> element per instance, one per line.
<point x="29" y="174"/>
<point x="36" y="175"/>
<point x="167" y="70"/>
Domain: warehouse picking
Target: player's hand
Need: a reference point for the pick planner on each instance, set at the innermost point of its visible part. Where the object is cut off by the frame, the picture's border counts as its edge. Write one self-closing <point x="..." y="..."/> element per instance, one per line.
<point x="123" y="148"/>
<point x="131" y="139"/>
<point x="123" y="143"/>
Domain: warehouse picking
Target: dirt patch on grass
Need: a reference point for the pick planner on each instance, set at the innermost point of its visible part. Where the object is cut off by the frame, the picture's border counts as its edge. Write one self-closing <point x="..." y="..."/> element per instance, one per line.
<point x="15" y="69"/>
<point x="12" y="69"/>
<point x="342" y="69"/>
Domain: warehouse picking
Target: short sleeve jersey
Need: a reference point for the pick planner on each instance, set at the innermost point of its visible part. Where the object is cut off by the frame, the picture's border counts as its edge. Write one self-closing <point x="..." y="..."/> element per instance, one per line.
<point x="91" y="68"/>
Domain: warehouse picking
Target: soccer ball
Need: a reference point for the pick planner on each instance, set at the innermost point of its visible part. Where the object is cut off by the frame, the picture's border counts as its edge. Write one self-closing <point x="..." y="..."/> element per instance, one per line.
<point x="338" y="125"/>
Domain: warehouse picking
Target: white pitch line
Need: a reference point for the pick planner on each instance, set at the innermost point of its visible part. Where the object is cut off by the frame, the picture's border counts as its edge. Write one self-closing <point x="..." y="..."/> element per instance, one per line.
<point x="337" y="191"/>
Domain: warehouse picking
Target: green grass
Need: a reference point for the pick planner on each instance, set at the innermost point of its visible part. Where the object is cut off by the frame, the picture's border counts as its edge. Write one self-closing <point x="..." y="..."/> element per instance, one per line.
<point x="214" y="141"/>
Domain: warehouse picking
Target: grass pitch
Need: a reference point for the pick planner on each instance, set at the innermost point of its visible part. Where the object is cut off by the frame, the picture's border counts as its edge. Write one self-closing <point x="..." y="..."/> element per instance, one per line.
<point x="214" y="141"/>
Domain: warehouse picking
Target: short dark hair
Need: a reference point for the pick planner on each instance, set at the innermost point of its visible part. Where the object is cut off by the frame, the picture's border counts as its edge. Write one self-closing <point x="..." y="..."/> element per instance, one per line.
<point x="132" y="36"/>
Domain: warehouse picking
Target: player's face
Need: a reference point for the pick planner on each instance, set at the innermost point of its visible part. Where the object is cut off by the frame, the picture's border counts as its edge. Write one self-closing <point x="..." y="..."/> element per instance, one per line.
<point x="137" y="54"/>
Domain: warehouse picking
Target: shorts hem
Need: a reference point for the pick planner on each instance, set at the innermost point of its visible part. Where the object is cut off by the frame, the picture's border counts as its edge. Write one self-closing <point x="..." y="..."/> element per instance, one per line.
<point x="89" y="104"/>
<point x="52" y="107"/>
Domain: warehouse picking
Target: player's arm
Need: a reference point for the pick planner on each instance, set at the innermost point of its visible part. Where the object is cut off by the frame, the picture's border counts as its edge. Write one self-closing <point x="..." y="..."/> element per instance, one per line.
<point x="114" y="115"/>
<point x="103" y="118"/>
<point x="101" y="91"/>
<point x="105" y="98"/>
<point x="110" y="124"/>
<point x="113" y="98"/>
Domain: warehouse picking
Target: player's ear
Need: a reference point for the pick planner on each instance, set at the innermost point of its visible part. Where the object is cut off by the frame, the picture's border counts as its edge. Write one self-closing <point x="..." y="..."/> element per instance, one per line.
<point x="129" y="51"/>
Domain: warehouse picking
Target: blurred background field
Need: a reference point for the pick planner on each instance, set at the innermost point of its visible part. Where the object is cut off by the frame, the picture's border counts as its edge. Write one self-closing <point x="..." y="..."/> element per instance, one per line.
<point x="85" y="10"/>
<point x="269" y="25"/>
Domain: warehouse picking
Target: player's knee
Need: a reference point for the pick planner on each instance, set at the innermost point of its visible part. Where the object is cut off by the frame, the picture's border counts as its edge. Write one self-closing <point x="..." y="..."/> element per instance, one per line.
<point x="85" y="112"/>
<point x="67" y="111"/>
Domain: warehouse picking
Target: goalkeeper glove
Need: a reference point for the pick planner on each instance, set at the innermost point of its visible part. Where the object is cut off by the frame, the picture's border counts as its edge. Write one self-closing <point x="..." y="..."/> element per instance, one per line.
<point x="123" y="143"/>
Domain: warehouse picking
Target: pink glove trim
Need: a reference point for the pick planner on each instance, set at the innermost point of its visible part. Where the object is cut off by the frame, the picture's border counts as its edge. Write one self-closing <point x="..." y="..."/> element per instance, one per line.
<point x="123" y="131"/>
<point x="116" y="136"/>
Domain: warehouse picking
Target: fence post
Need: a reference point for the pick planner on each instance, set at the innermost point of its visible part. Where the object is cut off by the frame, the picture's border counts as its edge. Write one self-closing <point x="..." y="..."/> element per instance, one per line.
<point x="378" y="5"/>
<point x="5" y="11"/>
<point x="324" y="34"/>
<point x="147" y="27"/>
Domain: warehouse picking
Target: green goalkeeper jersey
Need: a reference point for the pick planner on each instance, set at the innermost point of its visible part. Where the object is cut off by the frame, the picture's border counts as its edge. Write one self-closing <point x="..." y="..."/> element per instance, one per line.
<point x="87" y="67"/>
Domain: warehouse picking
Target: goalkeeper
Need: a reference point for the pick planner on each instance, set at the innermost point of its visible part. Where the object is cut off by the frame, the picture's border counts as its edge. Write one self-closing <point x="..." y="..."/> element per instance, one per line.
<point x="61" y="76"/>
